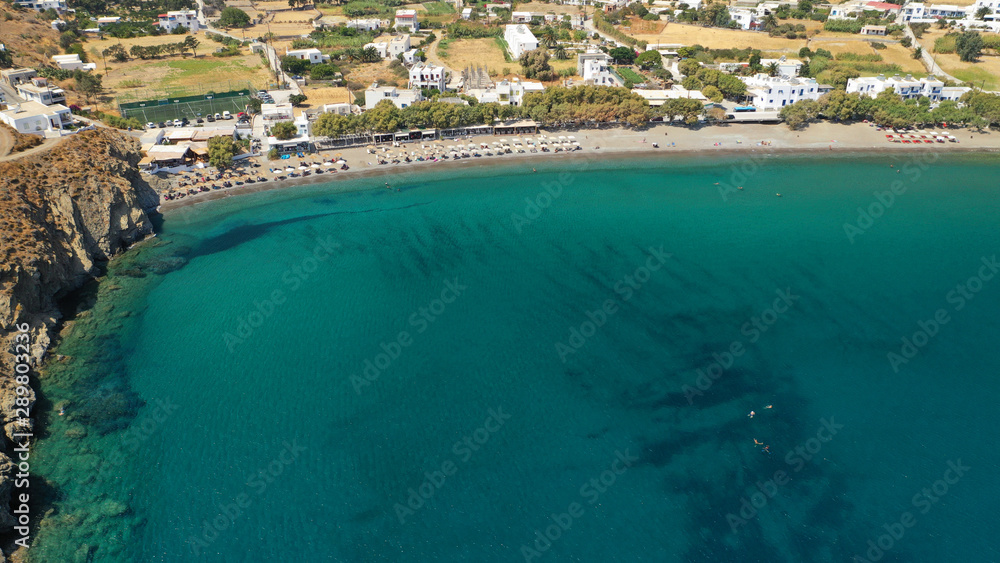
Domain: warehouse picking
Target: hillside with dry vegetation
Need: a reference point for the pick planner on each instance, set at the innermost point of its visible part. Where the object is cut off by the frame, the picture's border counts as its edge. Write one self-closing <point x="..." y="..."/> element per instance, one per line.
<point x="29" y="36"/>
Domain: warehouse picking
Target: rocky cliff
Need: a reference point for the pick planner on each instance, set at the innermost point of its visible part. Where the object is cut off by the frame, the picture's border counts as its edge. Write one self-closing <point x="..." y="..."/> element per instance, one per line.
<point x="62" y="212"/>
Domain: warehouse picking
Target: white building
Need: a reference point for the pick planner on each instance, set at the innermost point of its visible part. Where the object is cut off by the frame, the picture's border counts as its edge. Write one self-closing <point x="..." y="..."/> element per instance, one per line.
<point x="398" y="45"/>
<point x="466" y="13"/>
<point x="101" y="22"/>
<point x="38" y="90"/>
<point x="520" y="17"/>
<point x="519" y="40"/>
<point x="775" y="92"/>
<point x="907" y="87"/>
<point x="507" y="92"/>
<point x="659" y="97"/>
<point x="746" y="18"/>
<point x="313" y="55"/>
<point x="273" y="113"/>
<point x="786" y="67"/>
<point x="399" y="97"/>
<point x="343" y="108"/>
<point x="72" y="62"/>
<point x="919" y="12"/>
<point x="595" y="69"/>
<point x="42" y="5"/>
<point x="303" y="126"/>
<point x="407" y="19"/>
<point x="171" y="20"/>
<point x="428" y="75"/>
<point x="410" y="57"/>
<point x="33" y="117"/>
<point x="365" y="24"/>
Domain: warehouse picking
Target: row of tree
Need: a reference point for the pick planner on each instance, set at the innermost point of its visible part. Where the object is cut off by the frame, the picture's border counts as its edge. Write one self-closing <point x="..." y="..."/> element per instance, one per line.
<point x="891" y="110"/>
<point x="118" y="53"/>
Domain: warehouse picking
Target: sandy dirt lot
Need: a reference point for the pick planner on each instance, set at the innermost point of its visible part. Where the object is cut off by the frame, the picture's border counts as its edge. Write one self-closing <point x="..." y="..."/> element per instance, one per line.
<point x="985" y="71"/>
<point x="470" y="52"/>
<point x="717" y="38"/>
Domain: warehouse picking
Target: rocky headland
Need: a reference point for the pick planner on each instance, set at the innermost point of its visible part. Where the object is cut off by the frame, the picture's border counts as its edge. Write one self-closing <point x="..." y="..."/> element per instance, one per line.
<point x="62" y="213"/>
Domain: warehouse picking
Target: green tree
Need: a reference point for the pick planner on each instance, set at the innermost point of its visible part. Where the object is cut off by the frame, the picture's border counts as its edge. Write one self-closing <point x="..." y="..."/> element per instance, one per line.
<point x="689" y="67"/>
<point x="800" y="113"/>
<point x="982" y="12"/>
<point x="322" y="71"/>
<point x="88" y="84"/>
<point x="649" y="60"/>
<point x="284" y="130"/>
<point x="969" y="45"/>
<point x="297" y="99"/>
<point x="773" y="69"/>
<point x="535" y="64"/>
<point x="221" y="150"/>
<point x="918" y="52"/>
<point x="190" y="43"/>
<point x="712" y="93"/>
<point x="66" y="39"/>
<point x="622" y="55"/>
<point x="233" y="17"/>
<point x="6" y="58"/>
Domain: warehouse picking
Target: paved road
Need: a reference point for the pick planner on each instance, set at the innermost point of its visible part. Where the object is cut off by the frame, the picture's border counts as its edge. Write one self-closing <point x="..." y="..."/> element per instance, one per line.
<point x="927" y="58"/>
<point x="589" y="26"/>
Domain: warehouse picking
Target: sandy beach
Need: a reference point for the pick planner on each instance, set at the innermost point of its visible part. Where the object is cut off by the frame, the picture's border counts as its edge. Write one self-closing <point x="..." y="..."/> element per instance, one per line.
<point x="673" y="141"/>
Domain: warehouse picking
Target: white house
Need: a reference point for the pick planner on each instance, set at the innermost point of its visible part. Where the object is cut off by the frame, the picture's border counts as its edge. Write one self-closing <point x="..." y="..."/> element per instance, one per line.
<point x="72" y="62"/>
<point x="919" y="12"/>
<point x="382" y="47"/>
<point x="507" y="92"/>
<point x="33" y="117"/>
<point x="774" y="92"/>
<point x="398" y="45"/>
<point x="343" y="108"/>
<point x="519" y="40"/>
<point x="786" y="67"/>
<point x="595" y="68"/>
<point x="273" y="113"/>
<point x="42" y="5"/>
<point x="907" y="87"/>
<point x="410" y="57"/>
<point x="38" y="90"/>
<point x="466" y="13"/>
<point x="401" y="98"/>
<point x="407" y="19"/>
<point x="313" y="55"/>
<point x="171" y="20"/>
<point x="107" y="20"/>
<point x="303" y="125"/>
<point x="520" y="17"/>
<point x="873" y="30"/>
<point x="428" y="75"/>
<point x="370" y="24"/>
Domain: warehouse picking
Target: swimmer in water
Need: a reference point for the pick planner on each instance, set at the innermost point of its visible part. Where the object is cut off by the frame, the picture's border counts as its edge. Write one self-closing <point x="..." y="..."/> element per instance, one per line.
<point x="751" y="414"/>
<point x="757" y="442"/>
<point x="769" y="406"/>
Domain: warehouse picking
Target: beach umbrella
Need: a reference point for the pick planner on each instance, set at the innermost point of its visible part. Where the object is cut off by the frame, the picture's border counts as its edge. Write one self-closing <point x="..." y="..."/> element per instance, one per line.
<point x="341" y="161"/>
<point x="314" y="165"/>
<point x="328" y="164"/>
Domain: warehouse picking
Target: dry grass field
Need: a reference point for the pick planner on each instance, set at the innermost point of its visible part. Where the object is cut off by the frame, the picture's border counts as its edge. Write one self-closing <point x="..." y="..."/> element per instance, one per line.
<point x="717" y="38"/>
<point x="318" y="96"/>
<point x="897" y="54"/>
<point x="470" y="52"/>
<point x="984" y="72"/>
<point x="158" y="76"/>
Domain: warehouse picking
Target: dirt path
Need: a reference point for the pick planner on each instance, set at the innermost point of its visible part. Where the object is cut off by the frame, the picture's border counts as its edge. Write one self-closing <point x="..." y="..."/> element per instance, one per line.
<point x="47" y="144"/>
<point x="432" y="53"/>
<point x="6" y="142"/>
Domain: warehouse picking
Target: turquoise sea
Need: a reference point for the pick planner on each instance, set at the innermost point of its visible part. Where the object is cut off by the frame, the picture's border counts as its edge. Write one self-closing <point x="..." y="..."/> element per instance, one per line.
<point x="498" y="365"/>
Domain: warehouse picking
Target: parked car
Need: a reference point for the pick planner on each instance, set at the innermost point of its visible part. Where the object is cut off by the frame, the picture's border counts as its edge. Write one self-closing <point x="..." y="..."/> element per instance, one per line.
<point x="218" y="116"/>
<point x="178" y="123"/>
<point x="185" y="120"/>
<point x="200" y="120"/>
<point x="150" y="125"/>
<point x="227" y="115"/>
<point x="262" y="94"/>
<point x="161" y="125"/>
<point x="210" y="119"/>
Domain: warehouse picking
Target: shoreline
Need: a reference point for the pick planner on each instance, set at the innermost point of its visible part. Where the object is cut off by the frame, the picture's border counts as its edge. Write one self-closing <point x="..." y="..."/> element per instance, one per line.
<point x="618" y="144"/>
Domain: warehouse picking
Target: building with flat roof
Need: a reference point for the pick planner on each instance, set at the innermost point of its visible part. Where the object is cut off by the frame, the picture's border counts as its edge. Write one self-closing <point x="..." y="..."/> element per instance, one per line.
<point x="519" y="40"/>
<point x="407" y="19"/>
<point x="313" y="55"/>
<point x="906" y="86"/>
<point x="42" y="5"/>
<point x="775" y="92"/>
<point x="33" y="117"/>
<point x="15" y="76"/>
<point x="38" y="90"/>
<point x="428" y="75"/>
<point x="72" y="62"/>
<point x="172" y="20"/>
<point x="401" y="98"/>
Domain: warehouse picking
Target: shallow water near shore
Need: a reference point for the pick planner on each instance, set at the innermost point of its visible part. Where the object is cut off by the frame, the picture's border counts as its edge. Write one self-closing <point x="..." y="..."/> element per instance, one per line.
<point x="550" y="366"/>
